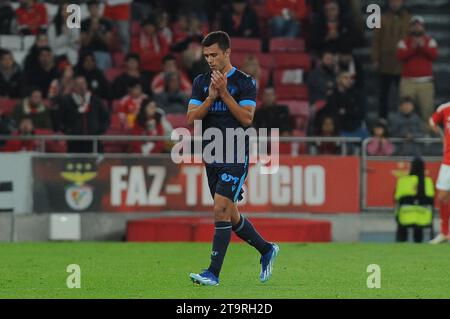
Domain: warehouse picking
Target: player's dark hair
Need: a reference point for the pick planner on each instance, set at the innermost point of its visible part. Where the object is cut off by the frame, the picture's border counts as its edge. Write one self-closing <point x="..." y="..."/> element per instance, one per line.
<point x="418" y="169"/>
<point x="221" y="38"/>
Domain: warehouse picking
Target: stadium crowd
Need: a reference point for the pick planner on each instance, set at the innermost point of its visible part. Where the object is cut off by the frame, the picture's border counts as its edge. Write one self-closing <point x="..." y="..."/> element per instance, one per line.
<point x="129" y="69"/>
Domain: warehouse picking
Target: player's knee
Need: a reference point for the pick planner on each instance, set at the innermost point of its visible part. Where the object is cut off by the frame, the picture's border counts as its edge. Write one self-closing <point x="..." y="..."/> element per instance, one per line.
<point x="220" y="212"/>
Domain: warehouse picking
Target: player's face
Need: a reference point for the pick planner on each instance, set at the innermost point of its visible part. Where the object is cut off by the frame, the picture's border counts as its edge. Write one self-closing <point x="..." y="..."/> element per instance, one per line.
<point x="217" y="58"/>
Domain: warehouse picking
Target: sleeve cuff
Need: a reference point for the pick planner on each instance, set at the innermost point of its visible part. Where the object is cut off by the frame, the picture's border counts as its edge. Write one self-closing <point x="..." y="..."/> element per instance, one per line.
<point x="195" y="102"/>
<point x="247" y="102"/>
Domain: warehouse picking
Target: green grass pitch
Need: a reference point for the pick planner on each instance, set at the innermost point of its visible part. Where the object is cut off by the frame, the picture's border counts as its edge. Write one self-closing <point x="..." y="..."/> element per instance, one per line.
<point x="160" y="270"/>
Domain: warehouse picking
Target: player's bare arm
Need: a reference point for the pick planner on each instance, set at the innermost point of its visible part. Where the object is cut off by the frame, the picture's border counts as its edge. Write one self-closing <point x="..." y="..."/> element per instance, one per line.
<point x="433" y="125"/>
<point x="244" y="114"/>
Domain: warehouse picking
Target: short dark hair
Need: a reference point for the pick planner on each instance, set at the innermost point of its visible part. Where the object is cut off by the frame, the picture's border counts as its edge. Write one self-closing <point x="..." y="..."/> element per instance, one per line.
<point x="221" y="38"/>
<point x="132" y="83"/>
<point x="407" y="99"/>
<point x="33" y="89"/>
<point x="93" y="2"/>
<point x="44" y="48"/>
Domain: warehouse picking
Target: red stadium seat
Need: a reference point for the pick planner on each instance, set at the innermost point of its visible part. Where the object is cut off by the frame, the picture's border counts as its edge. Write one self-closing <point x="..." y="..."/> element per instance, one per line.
<point x="7" y="105"/>
<point x="292" y="61"/>
<point x="286" y="45"/>
<point x="115" y="106"/>
<point x="296" y="107"/>
<point x="265" y="59"/>
<point x="115" y="123"/>
<point x="52" y="146"/>
<point x="135" y="28"/>
<point x="112" y="73"/>
<point x="292" y="92"/>
<point x="245" y="45"/>
<point x="177" y="120"/>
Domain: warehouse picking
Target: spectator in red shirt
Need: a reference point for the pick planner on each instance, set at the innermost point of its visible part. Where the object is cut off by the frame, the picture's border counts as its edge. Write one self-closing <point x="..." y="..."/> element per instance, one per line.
<point x="170" y="66"/>
<point x="31" y="17"/>
<point x="417" y="52"/>
<point x="130" y="104"/>
<point x="149" y="122"/>
<point x="151" y="46"/>
<point x="285" y="17"/>
<point x="26" y="128"/>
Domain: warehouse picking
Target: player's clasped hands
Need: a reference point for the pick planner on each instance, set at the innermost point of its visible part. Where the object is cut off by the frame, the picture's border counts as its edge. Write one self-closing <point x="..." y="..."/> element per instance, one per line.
<point x="219" y="81"/>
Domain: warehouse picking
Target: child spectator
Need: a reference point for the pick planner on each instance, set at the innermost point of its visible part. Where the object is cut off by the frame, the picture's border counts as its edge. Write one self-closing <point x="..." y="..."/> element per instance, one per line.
<point x="31" y="17"/>
<point x="10" y="76"/>
<point x="33" y="107"/>
<point x="64" y="41"/>
<point x="380" y="145"/>
<point x="130" y="104"/>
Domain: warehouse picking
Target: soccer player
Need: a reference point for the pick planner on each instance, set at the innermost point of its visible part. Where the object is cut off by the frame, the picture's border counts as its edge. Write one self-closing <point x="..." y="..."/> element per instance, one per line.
<point x="226" y="98"/>
<point x="442" y="116"/>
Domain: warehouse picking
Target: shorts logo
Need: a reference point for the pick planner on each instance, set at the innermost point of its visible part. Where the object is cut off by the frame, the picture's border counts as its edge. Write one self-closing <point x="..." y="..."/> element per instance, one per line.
<point x="228" y="178"/>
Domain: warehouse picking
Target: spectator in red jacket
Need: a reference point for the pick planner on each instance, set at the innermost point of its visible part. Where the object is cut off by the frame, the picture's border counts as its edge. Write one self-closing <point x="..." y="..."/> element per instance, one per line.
<point x="285" y="17"/>
<point x="130" y="104"/>
<point x="26" y="128"/>
<point x="31" y="17"/>
<point x="417" y="53"/>
<point x="151" y="46"/>
<point x="148" y="123"/>
<point x="170" y="66"/>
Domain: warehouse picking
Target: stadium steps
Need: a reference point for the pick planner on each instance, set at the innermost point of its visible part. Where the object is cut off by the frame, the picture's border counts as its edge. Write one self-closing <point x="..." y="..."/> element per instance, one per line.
<point x="435" y="13"/>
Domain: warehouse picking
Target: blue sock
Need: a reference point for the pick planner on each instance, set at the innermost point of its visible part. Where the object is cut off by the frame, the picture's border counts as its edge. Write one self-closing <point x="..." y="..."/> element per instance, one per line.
<point x="244" y="230"/>
<point x="222" y="237"/>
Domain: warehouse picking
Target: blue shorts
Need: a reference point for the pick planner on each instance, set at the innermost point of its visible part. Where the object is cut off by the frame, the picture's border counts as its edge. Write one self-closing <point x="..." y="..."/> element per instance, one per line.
<point x="227" y="180"/>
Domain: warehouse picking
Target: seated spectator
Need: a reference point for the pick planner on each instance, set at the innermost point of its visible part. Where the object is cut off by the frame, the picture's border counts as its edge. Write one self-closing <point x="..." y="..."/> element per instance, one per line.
<point x="406" y="123"/>
<point x="44" y="73"/>
<point x="380" y="144"/>
<point x="64" y="41"/>
<point x="332" y="31"/>
<point x="170" y="66"/>
<point x="327" y="128"/>
<point x="83" y="113"/>
<point x="172" y="99"/>
<point x="273" y="115"/>
<point x="345" y="105"/>
<point x="7" y="17"/>
<point x="96" y="36"/>
<point x="347" y="62"/>
<point x="119" y="13"/>
<point x="150" y="121"/>
<point x="26" y="128"/>
<point x="32" y="58"/>
<point x="10" y="76"/>
<point x="131" y="73"/>
<point x="252" y="67"/>
<point x="322" y="79"/>
<point x="31" y="17"/>
<point x="150" y="46"/>
<point x="285" y="17"/>
<point x="87" y="67"/>
<point x="33" y="107"/>
<point x="240" y="20"/>
<point x="130" y="104"/>
<point x="417" y="52"/>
